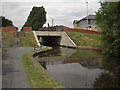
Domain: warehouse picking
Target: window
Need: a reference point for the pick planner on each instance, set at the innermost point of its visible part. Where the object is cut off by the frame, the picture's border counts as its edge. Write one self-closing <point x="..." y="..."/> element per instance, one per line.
<point x="89" y="21"/>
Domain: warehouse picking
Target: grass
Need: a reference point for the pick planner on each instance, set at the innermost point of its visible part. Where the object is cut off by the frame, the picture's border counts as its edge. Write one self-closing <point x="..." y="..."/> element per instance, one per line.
<point x="8" y="39"/>
<point x="37" y="76"/>
<point x="25" y="39"/>
<point x="84" y="39"/>
<point x="3" y="50"/>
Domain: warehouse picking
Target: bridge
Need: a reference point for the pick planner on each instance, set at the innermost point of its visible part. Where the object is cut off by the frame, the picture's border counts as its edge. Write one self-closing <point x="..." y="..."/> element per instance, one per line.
<point x="53" y="38"/>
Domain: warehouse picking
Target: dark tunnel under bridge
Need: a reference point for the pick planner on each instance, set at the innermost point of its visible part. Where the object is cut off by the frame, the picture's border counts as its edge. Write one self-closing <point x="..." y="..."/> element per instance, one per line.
<point x="53" y="38"/>
<point x="49" y="40"/>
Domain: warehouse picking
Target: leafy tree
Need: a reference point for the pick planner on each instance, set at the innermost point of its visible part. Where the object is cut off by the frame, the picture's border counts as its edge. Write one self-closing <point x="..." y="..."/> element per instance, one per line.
<point x="5" y="22"/>
<point x="37" y="18"/>
<point x="108" y="19"/>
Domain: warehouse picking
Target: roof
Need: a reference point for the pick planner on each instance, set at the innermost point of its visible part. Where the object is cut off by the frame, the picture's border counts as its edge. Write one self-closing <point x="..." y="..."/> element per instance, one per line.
<point x="92" y="17"/>
<point x="75" y="21"/>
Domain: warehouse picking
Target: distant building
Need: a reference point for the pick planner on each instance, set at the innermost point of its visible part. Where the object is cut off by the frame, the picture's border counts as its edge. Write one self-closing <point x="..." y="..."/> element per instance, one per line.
<point x="87" y="23"/>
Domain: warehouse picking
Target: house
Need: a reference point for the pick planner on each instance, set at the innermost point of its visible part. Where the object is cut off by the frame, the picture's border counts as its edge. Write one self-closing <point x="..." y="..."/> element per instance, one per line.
<point x="87" y="23"/>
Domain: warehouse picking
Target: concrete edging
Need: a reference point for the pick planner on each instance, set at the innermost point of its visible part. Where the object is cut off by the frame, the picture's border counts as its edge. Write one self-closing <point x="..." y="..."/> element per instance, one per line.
<point x="36" y="38"/>
<point x="41" y="69"/>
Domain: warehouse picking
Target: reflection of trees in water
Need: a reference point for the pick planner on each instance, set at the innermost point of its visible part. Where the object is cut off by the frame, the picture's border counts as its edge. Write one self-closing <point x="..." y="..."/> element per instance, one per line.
<point x="81" y="55"/>
<point x="55" y="52"/>
<point x="110" y="78"/>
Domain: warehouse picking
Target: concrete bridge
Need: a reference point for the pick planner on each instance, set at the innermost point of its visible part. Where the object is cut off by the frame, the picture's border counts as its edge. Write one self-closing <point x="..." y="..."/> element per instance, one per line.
<point x="53" y="38"/>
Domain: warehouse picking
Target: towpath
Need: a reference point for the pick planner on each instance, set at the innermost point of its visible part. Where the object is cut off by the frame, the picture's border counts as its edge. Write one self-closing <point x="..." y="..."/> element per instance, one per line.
<point x="14" y="75"/>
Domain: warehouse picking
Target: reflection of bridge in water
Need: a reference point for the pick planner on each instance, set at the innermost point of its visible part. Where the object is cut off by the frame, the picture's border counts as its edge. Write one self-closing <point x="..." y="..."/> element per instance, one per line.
<point x="56" y="55"/>
<point x="63" y="56"/>
<point x="90" y="64"/>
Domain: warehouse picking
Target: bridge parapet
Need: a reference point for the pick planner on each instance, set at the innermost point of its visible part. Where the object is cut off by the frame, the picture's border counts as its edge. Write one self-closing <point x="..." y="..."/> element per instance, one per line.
<point x="48" y="33"/>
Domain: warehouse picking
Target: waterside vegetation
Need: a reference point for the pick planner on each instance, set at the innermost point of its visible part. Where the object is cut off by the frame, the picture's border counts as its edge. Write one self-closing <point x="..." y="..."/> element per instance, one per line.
<point x="108" y="20"/>
<point x="38" y="77"/>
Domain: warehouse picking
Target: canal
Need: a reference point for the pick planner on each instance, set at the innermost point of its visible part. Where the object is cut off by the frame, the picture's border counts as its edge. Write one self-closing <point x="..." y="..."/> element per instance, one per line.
<point x="78" y="68"/>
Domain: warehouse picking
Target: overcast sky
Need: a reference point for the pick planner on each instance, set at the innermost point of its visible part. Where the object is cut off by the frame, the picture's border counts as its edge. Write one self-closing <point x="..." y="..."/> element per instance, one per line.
<point x="64" y="12"/>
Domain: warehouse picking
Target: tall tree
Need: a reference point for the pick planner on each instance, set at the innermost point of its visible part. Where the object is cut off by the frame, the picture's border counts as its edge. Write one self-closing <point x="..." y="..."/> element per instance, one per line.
<point x="108" y="19"/>
<point x="5" y="22"/>
<point x="36" y="18"/>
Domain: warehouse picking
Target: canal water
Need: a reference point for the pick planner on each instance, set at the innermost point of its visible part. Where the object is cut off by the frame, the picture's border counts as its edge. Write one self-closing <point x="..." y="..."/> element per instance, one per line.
<point x="81" y="68"/>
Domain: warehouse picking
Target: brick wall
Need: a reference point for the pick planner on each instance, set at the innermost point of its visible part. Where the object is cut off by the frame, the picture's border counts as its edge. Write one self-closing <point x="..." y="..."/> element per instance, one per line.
<point x="8" y="29"/>
<point x="27" y="28"/>
<point x="0" y="29"/>
<point x="81" y="31"/>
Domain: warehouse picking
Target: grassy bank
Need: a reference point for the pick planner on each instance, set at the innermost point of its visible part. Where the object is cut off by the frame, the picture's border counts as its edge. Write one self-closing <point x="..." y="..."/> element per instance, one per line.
<point x="37" y="75"/>
<point x="8" y="39"/>
<point x="23" y="39"/>
<point x="84" y="39"/>
<point x="27" y="39"/>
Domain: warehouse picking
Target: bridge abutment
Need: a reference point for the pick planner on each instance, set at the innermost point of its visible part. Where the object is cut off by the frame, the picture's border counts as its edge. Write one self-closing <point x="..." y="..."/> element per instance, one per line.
<point x="54" y="38"/>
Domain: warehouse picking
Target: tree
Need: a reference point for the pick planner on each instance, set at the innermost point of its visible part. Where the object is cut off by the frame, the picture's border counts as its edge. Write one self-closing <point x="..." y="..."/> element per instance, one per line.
<point x="36" y="19"/>
<point x="108" y="19"/>
<point x="5" y="22"/>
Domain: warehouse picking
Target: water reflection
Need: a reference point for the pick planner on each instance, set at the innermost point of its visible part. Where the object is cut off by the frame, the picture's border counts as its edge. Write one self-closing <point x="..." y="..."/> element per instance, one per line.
<point x="110" y="78"/>
<point x="81" y="68"/>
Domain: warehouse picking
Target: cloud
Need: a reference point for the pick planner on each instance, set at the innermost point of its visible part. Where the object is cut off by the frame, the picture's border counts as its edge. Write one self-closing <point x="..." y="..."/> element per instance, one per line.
<point x="62" y="11"/>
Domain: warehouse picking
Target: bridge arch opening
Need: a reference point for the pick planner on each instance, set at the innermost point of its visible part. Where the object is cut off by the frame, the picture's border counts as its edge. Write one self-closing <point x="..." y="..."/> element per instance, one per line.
<point x="50" y="40"/>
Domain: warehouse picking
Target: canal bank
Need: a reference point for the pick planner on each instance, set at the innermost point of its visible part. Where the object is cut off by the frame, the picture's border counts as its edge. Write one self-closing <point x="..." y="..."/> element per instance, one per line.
<point x="86" y="68"/>
<point x="86" y="40"/>
<point x="38" y="77"/>
<point x="65" y="65"/>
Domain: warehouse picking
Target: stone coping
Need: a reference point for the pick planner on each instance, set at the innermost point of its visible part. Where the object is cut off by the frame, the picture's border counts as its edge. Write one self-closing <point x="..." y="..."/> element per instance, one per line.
<point x="40" y="68"/>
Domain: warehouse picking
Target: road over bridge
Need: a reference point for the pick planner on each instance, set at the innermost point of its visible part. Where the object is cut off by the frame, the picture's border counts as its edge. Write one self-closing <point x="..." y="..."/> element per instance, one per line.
<point x="53" y="38"/>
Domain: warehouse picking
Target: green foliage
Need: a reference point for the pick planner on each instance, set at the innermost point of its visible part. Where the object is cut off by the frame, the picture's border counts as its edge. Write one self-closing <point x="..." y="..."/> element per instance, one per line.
<point x="5" y="22"/>
<point x="108" y="19"/>
<point x="36" y="18"/>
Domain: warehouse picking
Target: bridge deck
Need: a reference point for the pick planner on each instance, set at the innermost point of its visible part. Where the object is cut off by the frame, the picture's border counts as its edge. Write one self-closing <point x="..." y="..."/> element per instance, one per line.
<point x="48" y="33"/>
